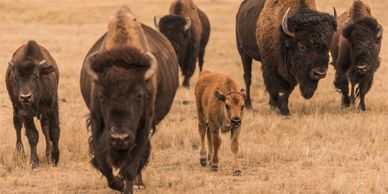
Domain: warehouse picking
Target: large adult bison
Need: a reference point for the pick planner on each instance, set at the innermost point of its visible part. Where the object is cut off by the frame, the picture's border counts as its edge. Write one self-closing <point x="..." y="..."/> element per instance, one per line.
<point x="128" y="81"/>
<point x="188" y="29"/>
<point x="32" y="82"/>
<point x="355" y="49"/>
<point x="292" y="42"/>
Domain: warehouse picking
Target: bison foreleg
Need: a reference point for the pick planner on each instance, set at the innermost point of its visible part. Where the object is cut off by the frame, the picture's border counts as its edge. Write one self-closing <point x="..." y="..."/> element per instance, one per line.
<point x="45" y="128"/>
<point x="247" y="64"/>
<point x="54" y="135"/>
<point x="234" y="148"/>
<point x="189" y="67"/>
<point x="33" y="138"/>
<point x="17" y="123"/>
<point x="341" y="83"/>
<point x="365" y="85"/>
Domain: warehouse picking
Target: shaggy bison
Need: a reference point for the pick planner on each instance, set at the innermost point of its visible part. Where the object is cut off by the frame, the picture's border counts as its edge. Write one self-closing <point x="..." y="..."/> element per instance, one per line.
<point x="128" y="81"/>
<point x="355" y="50"/>
<point x="32" y="82"/>
<point x="188" y="29"/>
<point x="220" y="106"/>
<point x="292" y="42"/>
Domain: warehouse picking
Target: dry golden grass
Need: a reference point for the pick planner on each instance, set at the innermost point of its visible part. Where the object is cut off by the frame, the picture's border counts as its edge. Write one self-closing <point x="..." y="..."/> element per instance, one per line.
<point x="321" y="149"/>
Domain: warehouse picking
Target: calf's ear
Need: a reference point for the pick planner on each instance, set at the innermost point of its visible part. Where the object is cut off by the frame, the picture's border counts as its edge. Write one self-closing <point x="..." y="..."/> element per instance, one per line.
<point x="45" y="68"/>
<point x="220" y="96"/>
<point x="243" y="93"/>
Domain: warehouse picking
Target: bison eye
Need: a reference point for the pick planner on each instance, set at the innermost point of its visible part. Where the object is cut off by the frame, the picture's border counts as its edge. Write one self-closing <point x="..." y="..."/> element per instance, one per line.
<point x="227" y="107"/>
<point x="301" y="47"/>
<point x="139" y="96"/>
<point x="242" y="107"/>
<point x="36" y="75"/>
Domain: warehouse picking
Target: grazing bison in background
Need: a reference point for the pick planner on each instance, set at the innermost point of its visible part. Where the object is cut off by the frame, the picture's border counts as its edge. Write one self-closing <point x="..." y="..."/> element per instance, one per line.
<point x="188" y="29"/>
<point x="128" y="81"/>
<point x="32" y="82"/>
<point x="355" y="50"/>
<point x="292" y="42"/>
<point x="220" y="106"/>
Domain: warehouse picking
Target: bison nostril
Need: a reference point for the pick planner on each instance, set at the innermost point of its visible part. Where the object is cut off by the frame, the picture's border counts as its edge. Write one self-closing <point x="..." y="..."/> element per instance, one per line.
<point x="318" y="73"/>
<point x="236" y="121"/>
<point x="25" y="97"/>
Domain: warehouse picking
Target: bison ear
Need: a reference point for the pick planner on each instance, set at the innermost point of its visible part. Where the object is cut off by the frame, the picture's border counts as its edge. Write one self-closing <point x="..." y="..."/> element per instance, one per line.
<point x="220" y="96"/>
<point x="347" y="31"/>
<point x="243" y="93"/>
<point x="45" y="68"/>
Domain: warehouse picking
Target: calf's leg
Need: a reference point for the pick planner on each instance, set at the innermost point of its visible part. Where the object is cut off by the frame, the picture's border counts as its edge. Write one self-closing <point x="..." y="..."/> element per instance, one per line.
<point x="17" y="123"/>
<point x="33" y="138"/>
<point x="234" y="148"/>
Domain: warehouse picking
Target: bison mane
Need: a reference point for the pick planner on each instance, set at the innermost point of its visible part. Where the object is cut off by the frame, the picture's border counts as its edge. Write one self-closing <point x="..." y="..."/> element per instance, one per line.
<point x="125" y="57"/>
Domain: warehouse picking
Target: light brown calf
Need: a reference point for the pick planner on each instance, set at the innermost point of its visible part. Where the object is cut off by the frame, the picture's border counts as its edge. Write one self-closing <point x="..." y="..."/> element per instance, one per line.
<point x="220" y="106"/>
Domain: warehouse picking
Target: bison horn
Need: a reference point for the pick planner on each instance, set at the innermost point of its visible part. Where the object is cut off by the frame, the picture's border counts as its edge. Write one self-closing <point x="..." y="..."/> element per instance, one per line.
<point x="11" y="63"/>
<point x="380" y="33"/>
<point x="188" y="23"/>
<point x="93" y="75"/>
<point x="151" y="71"/>
<point x="285" y="24"/>
<point x="156" y="23"/>
<point x="42" y="62"/>
<point x="335" y="13"/>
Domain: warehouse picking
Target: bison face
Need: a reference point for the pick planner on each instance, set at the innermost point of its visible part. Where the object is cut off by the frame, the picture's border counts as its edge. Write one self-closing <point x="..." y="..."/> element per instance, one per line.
<point x="28" y="80"/>
<point x="234" y="106"/>
<point x="123" y="80"/>
<point x="305" y="42"/>
<point x="364" y="36"/>
<point x="175" y="28"/>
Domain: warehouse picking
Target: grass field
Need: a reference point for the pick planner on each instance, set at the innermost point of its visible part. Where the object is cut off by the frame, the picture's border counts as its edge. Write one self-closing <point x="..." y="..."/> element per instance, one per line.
<point x="320" y="149"/>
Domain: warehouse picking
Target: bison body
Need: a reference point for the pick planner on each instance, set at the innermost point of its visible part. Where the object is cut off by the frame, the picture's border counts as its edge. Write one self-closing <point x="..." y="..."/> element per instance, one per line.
<point x="128" y="81"/>
<point x="355" y="50"/>
<point x="188" y="29"/>
<point x="220" y="108"/>
<point x="293" y="41"/>
<point x="32" y="82"/>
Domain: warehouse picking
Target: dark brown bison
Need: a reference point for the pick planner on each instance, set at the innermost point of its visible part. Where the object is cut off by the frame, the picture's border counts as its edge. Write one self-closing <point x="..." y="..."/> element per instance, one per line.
<point x="292" y="42"/>
<point x="32" y="83"/>
<point x="128" y="81"/>
<point x="220" y="106"/>
<point x="188" y="29"/>
<point x="355" y="50"/>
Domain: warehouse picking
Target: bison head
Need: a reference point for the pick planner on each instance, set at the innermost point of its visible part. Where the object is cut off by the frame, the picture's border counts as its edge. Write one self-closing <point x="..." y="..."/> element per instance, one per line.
<point x="28" y="82"/>
<point x="364" y="36"/>
<point x="234" y="106"/>
<point x="123" y="93"/>
<point x="175" y="28"/>
<point x="305" y="43"/>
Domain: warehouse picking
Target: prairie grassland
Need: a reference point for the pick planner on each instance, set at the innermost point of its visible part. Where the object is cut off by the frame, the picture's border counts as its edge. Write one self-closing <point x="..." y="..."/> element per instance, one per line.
<point x="320" y="149"/>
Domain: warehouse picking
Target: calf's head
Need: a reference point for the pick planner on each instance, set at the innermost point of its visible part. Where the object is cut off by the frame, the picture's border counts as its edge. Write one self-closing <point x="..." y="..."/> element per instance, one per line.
<point x="28" y="82"/>
<point x="305" y="43"/>
<point x="234" y="106"/>
<point x="364" y="36"/>
<point x="123" y="92"/>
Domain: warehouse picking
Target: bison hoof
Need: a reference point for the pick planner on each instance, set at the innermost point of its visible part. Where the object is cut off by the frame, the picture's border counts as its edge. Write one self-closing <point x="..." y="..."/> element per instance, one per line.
<point x="117" y="184"/>
<point x="362" y="108"/>
<point x="55" y="159"/>
<point x="214" y="168"/>
<point x="202" y="161"/>
<point x="237" y="173"/>
<point x="140" y="187"/>
<point x="20" y="148"/>
<point x="34" y="163"/>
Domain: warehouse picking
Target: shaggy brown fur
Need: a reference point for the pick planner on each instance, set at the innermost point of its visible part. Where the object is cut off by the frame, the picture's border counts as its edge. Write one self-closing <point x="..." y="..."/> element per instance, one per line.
<point x="189" y="44"/>
<point x="220" y="106"/>
<point x="356" y="44"/>
<point x="298" y="56"/>
<point x="121" y="100"/>
<point x="27" y="73"/>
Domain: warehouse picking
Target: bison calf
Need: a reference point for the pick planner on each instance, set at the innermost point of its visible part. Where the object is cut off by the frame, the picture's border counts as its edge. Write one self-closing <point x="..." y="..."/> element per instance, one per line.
<point x="220" y="106"/>
<point x="355" y="49"/>
<point x="32" y="83"/>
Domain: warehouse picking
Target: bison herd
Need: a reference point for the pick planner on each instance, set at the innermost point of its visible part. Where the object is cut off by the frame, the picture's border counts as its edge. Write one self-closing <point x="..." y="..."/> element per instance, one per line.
<point x="130" y="76"/>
